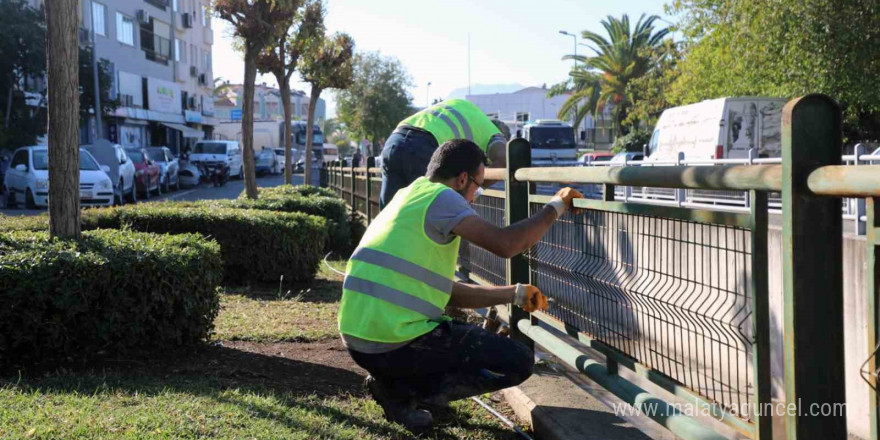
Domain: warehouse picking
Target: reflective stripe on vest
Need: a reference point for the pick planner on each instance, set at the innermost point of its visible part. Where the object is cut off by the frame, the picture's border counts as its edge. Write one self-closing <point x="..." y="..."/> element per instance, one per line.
<point x="398" y="280"/>
<point x="455" y="119"/>
<point x="403" y="267"/>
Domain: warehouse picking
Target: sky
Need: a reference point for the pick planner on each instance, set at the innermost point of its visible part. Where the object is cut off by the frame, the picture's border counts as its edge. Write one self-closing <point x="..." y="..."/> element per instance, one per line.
<point x="511" y="42"/>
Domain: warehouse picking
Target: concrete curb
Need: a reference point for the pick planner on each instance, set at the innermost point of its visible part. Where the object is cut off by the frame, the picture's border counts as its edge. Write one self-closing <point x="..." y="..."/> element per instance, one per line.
<point x="544" y="427"/>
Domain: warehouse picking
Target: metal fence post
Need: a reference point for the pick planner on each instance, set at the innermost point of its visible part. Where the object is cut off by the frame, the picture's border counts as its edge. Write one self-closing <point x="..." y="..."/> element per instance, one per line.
<point x="519" y="155"/>
<point x="681" y="193"/>
<point x="860" y="204"/>
<point x="353" y="186"/>
<point x="371" y="162"/>
<point x="872" y="283"/>
<point x="760" y="316"/>
<point x="812" y="271"/>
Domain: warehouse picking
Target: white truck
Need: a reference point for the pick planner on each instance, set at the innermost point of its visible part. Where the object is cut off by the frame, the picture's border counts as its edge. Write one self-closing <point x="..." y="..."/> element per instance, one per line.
<point x="552" y="142"/>
<point x="723" y="128"/>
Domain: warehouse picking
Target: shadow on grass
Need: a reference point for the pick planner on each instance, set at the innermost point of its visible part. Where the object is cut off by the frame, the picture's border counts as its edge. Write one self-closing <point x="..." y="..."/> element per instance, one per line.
<point x="212" y="370"/>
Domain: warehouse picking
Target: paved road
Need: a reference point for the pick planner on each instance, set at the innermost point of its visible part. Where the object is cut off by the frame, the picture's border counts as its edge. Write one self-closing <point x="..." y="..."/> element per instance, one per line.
<point x="202" y="192"/>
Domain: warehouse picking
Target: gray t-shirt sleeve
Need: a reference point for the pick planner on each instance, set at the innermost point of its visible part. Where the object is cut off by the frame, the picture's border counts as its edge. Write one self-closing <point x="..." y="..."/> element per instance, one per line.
<point x="444" y="214"/>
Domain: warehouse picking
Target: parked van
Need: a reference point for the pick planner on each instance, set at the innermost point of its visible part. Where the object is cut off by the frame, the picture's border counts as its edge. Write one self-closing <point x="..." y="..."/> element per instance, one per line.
<point x="551" y="139"/>
<point x="219" y="151"/>
<point x="724" y="128"/>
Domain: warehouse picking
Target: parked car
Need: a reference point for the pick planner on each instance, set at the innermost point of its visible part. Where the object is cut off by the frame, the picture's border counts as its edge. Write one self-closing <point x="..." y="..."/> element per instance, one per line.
<point x="626" y="156"/>
<point x="146" y="171"/>
<point x="266" y="162"/>
<point x="596" y="156"/>
<point x="219" y="151"/>
<point x="27" y="179"/>
<point x="121" y="168"/>
<point x="169" y="167"/>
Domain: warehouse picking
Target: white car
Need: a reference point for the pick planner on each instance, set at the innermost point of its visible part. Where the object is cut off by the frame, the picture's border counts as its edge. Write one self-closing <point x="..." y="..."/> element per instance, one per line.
<point x="121" y="168"/>
<point x="27" y="179"/>
<point x="219" y="151"/>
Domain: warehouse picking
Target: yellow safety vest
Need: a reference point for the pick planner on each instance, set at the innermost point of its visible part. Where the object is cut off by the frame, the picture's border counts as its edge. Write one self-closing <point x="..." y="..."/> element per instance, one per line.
<point x="456" y="119"/>
<point x="399" y="280"/>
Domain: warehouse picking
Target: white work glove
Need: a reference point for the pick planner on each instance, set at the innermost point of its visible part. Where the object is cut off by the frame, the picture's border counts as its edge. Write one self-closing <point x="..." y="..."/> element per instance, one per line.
<point x="529" y="298"/>
<point x="562" y="201"/>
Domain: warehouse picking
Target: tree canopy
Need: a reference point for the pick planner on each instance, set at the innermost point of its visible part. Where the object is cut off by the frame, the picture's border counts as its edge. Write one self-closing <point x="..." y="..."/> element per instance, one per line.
<point x="377" y="100"/>
<point x="794" y="47"/>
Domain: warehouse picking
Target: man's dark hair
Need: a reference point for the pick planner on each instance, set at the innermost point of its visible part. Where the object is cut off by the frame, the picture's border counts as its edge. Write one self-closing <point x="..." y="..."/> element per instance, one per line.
<point x="454" y="157"/>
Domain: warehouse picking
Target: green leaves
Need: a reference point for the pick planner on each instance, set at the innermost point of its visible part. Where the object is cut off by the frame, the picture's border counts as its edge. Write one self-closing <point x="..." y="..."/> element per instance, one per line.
<point x="110" y="291"/>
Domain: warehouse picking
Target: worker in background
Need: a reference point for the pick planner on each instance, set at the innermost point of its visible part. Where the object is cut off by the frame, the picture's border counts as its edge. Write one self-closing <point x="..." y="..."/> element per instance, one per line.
<point x="401" y="277"/>
<point x="408" y="150"/>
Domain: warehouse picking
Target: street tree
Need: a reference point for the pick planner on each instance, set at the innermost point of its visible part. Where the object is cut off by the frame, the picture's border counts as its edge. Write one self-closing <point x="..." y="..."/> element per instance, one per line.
<point x="377" y="99"/>
<point x="280" y="59"/>
<point x="256" y="23"/>
<point x="62" y="48"/>
<point x="745" y="48"/>
<point x="327" y="65"/>
<point x="22" y="43"/>
<point x="87" y="85"/>
<point x="603" y="77"/>
<point x="650" y="92"/>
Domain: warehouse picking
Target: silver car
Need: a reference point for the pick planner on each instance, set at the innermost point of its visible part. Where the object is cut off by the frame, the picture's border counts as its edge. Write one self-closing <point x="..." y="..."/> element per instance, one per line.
<point x="169" y="176"/>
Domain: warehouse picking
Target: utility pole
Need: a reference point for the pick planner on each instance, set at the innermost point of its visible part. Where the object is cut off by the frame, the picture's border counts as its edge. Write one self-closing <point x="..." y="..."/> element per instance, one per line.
<point x="97" y="92"/>
<point x="428" y="95"/>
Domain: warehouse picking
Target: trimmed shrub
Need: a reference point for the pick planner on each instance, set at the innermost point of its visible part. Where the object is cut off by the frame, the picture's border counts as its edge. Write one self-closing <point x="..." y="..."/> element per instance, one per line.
<point x="288" y="198"/>
<point x="109" y="291"/>
<point x="256" y="245"/>
<point x="24" y="223"/>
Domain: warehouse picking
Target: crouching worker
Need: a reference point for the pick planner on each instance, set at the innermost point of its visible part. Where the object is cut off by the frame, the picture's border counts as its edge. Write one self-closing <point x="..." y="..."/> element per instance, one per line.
<point x="401" y="277"/>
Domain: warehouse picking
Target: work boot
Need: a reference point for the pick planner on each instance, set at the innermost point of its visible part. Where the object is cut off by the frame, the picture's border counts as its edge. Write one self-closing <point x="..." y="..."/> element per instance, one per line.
<point x="402" y="411"/>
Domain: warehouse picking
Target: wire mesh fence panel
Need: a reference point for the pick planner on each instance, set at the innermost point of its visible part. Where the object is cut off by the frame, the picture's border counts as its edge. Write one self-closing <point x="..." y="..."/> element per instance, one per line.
<point x="672" y="294"/>
<point x="478" y="261"/>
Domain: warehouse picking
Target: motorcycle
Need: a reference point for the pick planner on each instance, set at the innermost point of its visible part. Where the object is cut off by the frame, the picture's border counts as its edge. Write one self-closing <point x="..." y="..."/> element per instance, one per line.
<point x="216" y="172"/>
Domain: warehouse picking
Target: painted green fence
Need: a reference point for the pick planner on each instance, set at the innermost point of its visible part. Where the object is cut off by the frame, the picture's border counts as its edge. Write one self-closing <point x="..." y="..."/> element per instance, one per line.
<point x="680" y="295"/>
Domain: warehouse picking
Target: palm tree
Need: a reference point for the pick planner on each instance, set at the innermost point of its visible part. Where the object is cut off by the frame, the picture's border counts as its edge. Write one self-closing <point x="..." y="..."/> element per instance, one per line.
<point x="602" y="78"/>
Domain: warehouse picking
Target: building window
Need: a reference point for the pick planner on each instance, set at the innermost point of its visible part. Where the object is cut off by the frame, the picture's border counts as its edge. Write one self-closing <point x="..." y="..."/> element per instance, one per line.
<point x="99" y="13"/>
<point x="206" y="16"/>
<point x="124" y="29"/>
<point x="174" y="5"/>
<point x="522" y="117"/>
<point x="177" y="50"/>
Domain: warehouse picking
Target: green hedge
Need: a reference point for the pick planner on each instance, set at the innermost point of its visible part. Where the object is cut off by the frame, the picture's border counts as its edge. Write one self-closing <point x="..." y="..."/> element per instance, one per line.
<point x="310" y="200"/>
<point x="257" y="246"/>
<point x="109" y="291"/>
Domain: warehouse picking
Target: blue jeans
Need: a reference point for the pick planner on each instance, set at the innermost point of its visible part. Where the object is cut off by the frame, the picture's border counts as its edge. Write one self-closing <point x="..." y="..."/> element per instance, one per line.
<point x="405" y="158"/>
<point x="452" y="362"/>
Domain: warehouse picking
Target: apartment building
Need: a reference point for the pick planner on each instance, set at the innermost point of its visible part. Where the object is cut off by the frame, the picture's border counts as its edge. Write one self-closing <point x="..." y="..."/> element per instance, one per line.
<point x="267" y="104"/>
<point x="160" y="55"/>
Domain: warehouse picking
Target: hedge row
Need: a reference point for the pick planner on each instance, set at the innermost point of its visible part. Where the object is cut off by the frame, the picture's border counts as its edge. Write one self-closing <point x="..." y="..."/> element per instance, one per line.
<point x="256" y="245"/>
<point x="109" y="291"/>
<point x="309" y="200"/>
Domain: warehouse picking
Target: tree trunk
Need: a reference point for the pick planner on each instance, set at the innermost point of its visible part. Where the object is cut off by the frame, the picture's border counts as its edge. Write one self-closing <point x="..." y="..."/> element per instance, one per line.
<point x="62" y="58"/>
<point x="247" y="122"/>
<point x="284" y="86"/>
<point x="313" y="100"/>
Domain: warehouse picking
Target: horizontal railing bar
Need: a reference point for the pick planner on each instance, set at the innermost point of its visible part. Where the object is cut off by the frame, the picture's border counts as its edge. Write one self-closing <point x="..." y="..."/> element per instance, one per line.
<point x="726" y="218"/>
<point x="657" y="378"/>
<point x="733" y="177"/>
<point x="495" y="174"/>
<point x="650" y="405"/>
<point x="845" y="181"/>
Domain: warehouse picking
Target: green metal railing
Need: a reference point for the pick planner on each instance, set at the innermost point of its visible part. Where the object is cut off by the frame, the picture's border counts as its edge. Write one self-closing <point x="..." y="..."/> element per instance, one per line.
<point x="680" y="295"/>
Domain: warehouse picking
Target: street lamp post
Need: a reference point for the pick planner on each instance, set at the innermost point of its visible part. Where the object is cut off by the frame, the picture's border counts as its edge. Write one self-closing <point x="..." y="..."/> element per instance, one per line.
<point x="428" y="95"/>
<point x="574" y="116"/>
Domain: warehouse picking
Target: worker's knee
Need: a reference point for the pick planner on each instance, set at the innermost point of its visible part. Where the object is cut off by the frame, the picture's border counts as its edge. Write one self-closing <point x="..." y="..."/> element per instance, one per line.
<point x="522" y="363"/>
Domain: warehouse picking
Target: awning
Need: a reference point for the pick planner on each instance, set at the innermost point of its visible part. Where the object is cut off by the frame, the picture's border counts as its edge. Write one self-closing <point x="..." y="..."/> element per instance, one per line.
<point x="188" y="132"/>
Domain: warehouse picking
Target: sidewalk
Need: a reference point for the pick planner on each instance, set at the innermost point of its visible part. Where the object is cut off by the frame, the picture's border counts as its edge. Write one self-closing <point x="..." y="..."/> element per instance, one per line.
<point x="559" y="408"/>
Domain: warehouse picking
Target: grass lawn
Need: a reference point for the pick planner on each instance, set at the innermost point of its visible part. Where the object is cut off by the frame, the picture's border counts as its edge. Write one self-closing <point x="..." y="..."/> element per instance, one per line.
<point x="275" y="368"/>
